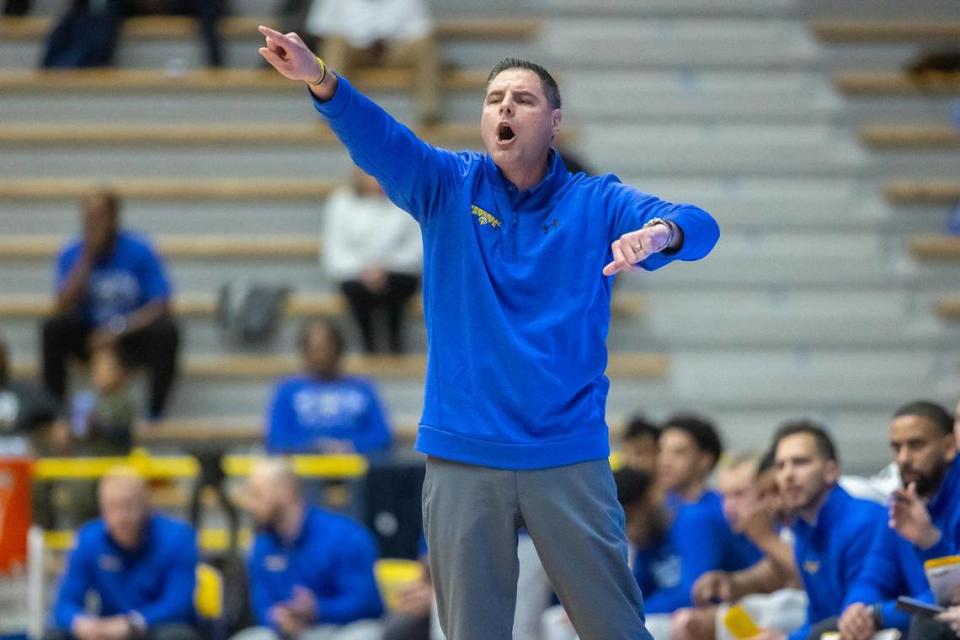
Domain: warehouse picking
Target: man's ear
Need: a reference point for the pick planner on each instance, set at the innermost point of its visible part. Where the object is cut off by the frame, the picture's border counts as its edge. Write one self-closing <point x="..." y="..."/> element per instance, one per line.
<point x="556" y="119"/>
<point x="832" y="471"/>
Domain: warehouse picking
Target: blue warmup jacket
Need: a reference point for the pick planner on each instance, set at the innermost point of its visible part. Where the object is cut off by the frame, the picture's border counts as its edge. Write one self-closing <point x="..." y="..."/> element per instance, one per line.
<point x="516" y="307"/>
<point x="305" y="409"/>
<point x="830" y="554"/>
<point x="333" y="557"/>
<point x="157" y="580"/>
<point x="699" y="540"/>
<point x="894" y="566"/>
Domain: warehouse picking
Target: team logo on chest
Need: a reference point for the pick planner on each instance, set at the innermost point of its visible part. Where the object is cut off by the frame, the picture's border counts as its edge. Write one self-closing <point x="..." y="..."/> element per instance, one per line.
<point x="485" y="217"/>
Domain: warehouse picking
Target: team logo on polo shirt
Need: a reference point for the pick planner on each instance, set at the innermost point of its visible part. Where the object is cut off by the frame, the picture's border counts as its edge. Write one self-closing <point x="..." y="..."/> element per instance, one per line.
<point x="485" y="217"/>
<point x="275" y="563"/>
<point x="107" y="562"/>
<point x="811" y="566"/>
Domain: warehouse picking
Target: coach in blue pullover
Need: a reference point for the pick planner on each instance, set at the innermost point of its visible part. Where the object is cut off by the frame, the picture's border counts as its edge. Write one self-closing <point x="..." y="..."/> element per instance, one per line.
<point x="322" y="410"/>
<point x="517" y="254"/>
<point x="832" y="530"/>
<point x="924" y="516"/>
<point x="141" y="566"/>
<point x="310" y="571"/>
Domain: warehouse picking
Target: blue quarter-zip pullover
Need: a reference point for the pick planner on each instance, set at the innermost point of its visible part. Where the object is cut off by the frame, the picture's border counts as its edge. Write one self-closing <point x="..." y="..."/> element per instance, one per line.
<point x="516" y="307"/>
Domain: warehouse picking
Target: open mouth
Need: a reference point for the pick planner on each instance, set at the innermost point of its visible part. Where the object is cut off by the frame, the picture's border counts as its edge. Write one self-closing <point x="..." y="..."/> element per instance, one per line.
<point x="505" y="133"/>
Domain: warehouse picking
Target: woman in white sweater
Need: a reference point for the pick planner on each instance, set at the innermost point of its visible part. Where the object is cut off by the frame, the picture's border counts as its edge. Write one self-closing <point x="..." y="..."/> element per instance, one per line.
<point x="373" y="249"/>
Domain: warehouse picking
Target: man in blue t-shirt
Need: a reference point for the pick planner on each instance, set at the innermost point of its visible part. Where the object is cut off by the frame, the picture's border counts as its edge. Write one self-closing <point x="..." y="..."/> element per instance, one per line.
<point x="140" y="565"/>
<point x="311" y="572"/>
<point x="112" y="291"/>
<point x="323" y="410"/>
<point x="832" y="530"/>
<point x="518" y="254"/>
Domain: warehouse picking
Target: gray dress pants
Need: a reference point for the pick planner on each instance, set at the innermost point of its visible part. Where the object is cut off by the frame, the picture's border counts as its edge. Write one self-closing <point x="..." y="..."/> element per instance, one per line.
<point x="471" y="515"/>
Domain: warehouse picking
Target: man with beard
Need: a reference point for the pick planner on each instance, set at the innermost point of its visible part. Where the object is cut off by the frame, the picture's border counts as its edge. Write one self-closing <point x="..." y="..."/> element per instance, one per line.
<point x="924" y="522"/>
<point x="832" y="530"/>
<point x="310" y="571"/>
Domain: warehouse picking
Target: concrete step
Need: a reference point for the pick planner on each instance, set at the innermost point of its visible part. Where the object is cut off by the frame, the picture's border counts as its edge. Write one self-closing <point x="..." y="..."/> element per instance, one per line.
<point x="631" y="96"/>
<point x="679" y="43"/>
<point x="727" y="149"/>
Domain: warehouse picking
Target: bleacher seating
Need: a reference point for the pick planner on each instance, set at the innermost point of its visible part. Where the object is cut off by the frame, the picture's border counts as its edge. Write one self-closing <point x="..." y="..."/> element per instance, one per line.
<point x="735" y="112"/>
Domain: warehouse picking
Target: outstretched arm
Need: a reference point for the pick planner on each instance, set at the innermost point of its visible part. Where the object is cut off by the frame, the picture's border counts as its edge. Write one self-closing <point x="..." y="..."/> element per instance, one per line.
<point x="415" y="175"/>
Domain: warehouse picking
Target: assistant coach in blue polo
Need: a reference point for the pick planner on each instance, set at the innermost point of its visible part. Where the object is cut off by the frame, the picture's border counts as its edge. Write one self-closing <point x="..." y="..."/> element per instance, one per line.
<point x="518" y="254"/>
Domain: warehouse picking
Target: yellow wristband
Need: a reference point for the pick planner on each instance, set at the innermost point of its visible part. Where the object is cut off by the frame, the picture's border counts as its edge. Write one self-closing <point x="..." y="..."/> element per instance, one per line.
<point x="323" y="73"/>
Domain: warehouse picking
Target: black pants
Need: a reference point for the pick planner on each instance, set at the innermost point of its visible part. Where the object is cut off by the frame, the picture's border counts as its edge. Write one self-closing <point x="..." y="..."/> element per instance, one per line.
<point x="208" y="13"/>
<point x="16" y="7"/>
<point x="160" y="632"/>
<point x="391" y="303"/>
<point x="154" y="347"/>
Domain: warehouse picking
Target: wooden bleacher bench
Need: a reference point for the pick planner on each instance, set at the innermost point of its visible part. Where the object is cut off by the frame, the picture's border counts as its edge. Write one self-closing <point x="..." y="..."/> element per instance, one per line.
<point x="948" y="308"/>
<point x="194" y="247"/>
<point x="34" y="307"/>
<point x="922" y="192"/>
<point x="858" y="31"/>
<point x="633" y="366"/>
<point x="184" y="432"/>
<point x="910" y="136"/>
<point x="896" y="83"/>
<point x="34" y="135"/>
<point x="235" y="27"/>
<point x="191" y="306"/>
<point x="930" y="247"/>
<point x="169" y="189"/>
<point x="150" y="81"/>
<point x="229" y="430"/>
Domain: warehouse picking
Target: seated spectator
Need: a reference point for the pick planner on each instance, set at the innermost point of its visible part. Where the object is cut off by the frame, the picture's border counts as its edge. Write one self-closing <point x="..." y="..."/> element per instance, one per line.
<point x="27" y="414"/>
<point x="311" y="572"/>
<point x="112" y="291"/>
<point x="639" y="445"/>
<point x="387" y="32"/>
<point x="102" y="425"/>
<point x="87" y="34"/>
<point x="139" y="564"/>
<point x="104" y="418"/>
<point x="767" y="590"/>
<point x="924" y="523"/>
<point x="374" y="250"/>
<point x="207" y="13"/>
<point x="323" y="410"/>
<point x="832" y="530"/>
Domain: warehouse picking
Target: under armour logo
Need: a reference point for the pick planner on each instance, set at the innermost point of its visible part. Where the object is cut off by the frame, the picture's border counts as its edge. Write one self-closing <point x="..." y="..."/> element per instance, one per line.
<point x="552" y="225"/>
